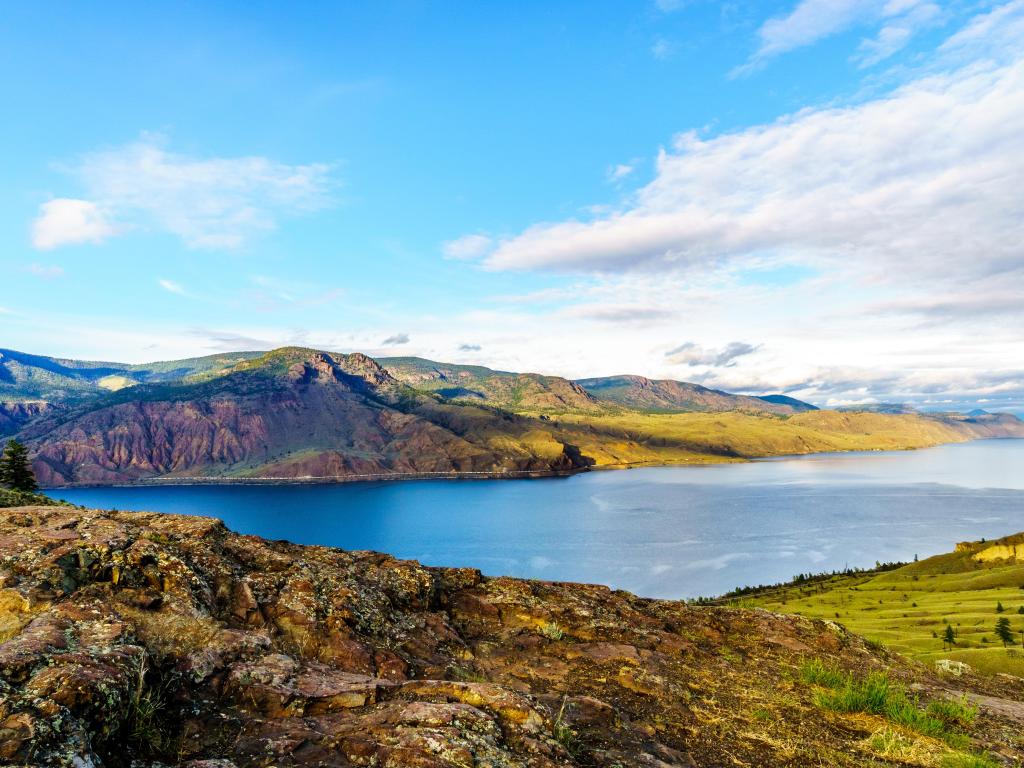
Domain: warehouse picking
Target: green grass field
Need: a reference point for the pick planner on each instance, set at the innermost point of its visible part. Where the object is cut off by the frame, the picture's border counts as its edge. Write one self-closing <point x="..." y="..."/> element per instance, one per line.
<point x="908" y="609"/>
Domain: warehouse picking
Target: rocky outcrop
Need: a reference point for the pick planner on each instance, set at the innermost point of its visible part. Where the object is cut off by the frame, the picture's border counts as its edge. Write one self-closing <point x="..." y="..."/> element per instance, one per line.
<point x="14" y="416"/>
<point x="146" y="639"/>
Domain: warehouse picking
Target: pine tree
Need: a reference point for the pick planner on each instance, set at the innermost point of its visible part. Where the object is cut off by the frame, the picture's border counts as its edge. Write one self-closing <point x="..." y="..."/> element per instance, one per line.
<point x="1003" y="631"/>
<point x="15" y="470"/>
<point x="999" y="607"/>
<point x="949" y="637"/>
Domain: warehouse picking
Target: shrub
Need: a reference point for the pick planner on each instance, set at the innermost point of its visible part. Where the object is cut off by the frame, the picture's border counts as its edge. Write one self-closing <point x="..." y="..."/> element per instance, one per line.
<point x="552" y="631"/>
<point x="958" y="713"/>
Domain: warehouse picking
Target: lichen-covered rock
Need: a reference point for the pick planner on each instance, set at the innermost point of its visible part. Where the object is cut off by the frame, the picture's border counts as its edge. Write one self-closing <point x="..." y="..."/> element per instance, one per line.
<point x="137" y="639"/>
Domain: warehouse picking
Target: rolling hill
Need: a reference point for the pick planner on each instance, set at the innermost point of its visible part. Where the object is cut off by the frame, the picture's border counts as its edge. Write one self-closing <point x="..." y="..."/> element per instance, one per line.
<point x="909" y="608"/>
<point x="666" y="395"/>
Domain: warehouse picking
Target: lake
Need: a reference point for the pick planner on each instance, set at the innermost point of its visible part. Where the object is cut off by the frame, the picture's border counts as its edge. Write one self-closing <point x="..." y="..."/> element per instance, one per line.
<point x="661" y="532"/>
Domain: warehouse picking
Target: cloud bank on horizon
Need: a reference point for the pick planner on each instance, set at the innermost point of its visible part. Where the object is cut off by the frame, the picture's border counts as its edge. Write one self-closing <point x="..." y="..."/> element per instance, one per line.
<point x="863" y="245"/>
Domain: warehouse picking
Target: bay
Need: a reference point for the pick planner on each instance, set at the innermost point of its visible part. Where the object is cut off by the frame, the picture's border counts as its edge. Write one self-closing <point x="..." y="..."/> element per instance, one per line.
<point x="673" y="532"/>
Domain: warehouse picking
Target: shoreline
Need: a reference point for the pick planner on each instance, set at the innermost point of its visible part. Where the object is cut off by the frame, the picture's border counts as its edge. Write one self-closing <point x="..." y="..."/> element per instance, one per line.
<point x="469" y="476"/>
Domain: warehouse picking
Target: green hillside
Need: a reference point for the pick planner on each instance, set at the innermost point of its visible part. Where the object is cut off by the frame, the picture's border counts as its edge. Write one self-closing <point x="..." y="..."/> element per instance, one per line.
<point x="909" y="609"/>
<point x="58" y="380"/>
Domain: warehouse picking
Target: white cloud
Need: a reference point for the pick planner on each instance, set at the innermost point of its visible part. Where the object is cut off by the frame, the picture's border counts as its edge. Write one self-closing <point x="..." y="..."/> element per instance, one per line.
<point x="894" y="36"/>
<point x="620" y="171"/>
<point x="467" y="247"/>
<point x="66" y="221"/>
<point x="693" y="354"/>
<point x="923" y="182"/>
<point x="172" y="287"/>
<point x="208" y="202"/>
<point x="811" y="21"/>
<point x="814" y="20"/>
<point x="396" y="340"/>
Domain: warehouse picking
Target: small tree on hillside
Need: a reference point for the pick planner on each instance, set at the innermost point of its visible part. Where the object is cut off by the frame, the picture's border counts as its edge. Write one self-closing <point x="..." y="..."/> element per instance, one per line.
<point x="15" y="470"/>
<point x="949" y="636"/>
<point x="999" y="607"/>
<point x="1003" y="631"/>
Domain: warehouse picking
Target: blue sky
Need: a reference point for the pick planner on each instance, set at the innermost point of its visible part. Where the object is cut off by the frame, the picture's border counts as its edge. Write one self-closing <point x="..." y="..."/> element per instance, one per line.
<point x="815" y="196"/>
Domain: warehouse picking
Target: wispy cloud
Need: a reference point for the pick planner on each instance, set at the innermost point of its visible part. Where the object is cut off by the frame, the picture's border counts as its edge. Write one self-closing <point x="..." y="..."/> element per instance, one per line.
<point x="469" y="347"/>
<point x="208" y="202"/>
<point x="396" y="340"/>
<point x="623" y="313"/>
<point x="693" y="354"/>
<point x="897" y="32"/>
<point x="814" y="20"/>
<point x="46" y="271"/>
<point x="172" y="287"/>
<point x="663" y="49"/>
<point x="620" y="171"/>
<point x="467" y="247"/>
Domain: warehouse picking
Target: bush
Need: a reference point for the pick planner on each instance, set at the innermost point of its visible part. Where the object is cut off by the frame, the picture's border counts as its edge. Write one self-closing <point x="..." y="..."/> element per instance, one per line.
<point x="958" y="713"/>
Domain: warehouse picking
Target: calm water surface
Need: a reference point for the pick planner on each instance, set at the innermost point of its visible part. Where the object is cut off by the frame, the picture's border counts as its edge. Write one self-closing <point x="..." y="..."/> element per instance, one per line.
<point x="660" y="532"/>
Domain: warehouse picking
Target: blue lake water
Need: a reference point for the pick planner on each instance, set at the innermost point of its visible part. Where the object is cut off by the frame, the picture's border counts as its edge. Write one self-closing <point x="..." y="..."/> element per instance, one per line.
<point x="660" y="532"/>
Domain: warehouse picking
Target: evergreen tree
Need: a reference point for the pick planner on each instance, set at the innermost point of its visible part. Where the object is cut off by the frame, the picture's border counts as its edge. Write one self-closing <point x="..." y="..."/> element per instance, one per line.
<point x="1003" y="631"/>
<point x="949" y="637"/>
<point x="15" y="470"/>
<point x="999" y="608"/>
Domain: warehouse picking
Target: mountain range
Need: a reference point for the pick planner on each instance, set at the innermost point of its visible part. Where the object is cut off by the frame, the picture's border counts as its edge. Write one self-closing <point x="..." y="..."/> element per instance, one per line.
<point x="297" y="413"/>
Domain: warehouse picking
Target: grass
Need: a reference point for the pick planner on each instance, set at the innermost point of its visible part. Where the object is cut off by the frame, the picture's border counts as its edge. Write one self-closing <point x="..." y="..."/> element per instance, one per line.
<point x="962" y="760"/>
<point x="877" y="694"/>
<point x="908" y="609"/>
<point x="636" y="438"/>
<point x="552" y="631"/>
<point x="564" y="733"/>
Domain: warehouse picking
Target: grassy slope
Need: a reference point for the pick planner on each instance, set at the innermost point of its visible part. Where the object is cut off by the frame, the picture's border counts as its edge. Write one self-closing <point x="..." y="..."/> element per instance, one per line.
<point x="9" y="498"/>
<point x="908" y="609"/>
<point x="637" y="439"/>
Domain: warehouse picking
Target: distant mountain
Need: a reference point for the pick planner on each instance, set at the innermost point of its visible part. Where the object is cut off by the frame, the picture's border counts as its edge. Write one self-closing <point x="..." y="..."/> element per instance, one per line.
<point x="639" y="393"/>
<point x="290" y="413"/>
<point x="797" y="405"/>
<point x="878" y="408"/>
<point x="58" y="380"/>
<point x="304" y="414"/>
<point x="517" y="392"/>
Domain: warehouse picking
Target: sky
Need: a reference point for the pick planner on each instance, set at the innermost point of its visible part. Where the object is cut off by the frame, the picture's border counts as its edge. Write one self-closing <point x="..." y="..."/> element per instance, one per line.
<point x="816" y="197"/>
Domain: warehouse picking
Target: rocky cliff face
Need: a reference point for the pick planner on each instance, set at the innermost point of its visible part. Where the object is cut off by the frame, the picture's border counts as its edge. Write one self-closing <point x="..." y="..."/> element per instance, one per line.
<point x="291" y="414"/>
<point x="14" y="416"/>
<point x="145" y="639"/>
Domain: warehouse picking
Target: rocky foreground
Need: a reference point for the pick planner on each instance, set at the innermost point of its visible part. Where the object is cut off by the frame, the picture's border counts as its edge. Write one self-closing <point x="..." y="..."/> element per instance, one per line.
<point x="148" y="639"/>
